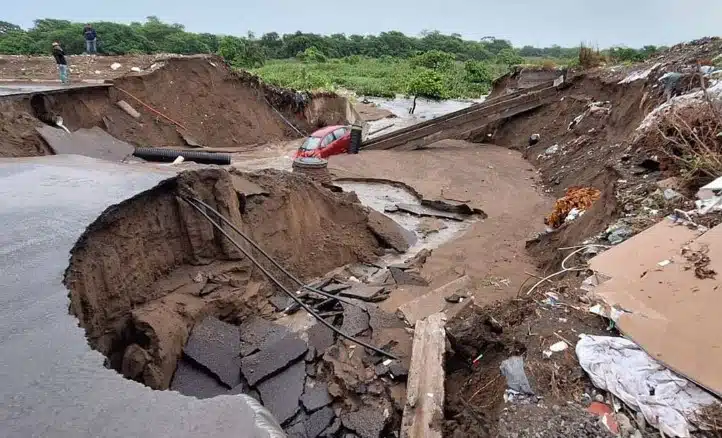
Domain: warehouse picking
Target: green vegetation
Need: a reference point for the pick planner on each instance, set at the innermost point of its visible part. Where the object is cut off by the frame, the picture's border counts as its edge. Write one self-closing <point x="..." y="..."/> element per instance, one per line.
<point x="431" y="65"/>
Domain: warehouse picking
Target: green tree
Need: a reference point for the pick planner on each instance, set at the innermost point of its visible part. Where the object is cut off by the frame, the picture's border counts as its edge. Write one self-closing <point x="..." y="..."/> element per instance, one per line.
<point x="426" y="83"/>
<point x="240" y="53"/>
<point x="312" y="54"/>
<point x="509" y="57"/>
<point x="434" y="60"/>
<point x="477" y="72"/>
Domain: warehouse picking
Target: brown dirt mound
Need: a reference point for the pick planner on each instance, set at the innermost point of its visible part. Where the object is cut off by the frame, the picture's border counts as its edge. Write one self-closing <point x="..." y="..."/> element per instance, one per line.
<point x="147" y="269"/>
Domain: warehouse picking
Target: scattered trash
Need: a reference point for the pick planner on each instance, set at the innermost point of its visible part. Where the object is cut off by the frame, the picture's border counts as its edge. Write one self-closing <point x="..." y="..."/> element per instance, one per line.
<point x="115" y="66"/>
<point x="580" y="198"/>
<point x="621" y="367"/>
<point x="136" y="69"/>
<point x="558" y="347"/>
<point x="606" y="414"/>
<point x="618" y="233"/>
<point x="664" y="263"/>
<point x="551" y="150"/>
<point x="516" y="380"/>
<point x="573" y="214"/>
<point x="671" y="195"/>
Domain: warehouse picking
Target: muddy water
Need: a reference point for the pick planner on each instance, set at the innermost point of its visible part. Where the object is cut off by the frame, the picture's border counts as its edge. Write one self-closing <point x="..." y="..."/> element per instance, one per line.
<point x="379" y="196"/>
<point x="425" y="110"/>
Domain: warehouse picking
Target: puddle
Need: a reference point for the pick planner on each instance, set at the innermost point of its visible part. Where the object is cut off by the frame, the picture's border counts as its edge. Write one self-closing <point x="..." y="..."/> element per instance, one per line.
<point x="380" y="195"/>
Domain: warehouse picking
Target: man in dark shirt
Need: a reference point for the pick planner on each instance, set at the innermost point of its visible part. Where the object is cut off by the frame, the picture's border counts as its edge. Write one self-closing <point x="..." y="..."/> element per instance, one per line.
<point x="59" y="56"/>
<point x="90" y="38"/>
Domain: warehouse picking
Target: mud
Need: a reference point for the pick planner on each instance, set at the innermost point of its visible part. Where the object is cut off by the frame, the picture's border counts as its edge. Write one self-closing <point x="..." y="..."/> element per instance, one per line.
<point x="149" y="268"/>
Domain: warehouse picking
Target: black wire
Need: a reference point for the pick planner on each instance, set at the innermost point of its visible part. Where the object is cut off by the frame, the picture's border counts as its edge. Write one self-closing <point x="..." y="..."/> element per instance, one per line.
<point x="271" y="259"/>
<point x="282" y="287"/>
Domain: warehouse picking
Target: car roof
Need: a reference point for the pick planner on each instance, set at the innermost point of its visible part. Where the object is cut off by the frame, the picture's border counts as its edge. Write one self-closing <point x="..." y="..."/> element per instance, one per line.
<point x="325" y="131"/>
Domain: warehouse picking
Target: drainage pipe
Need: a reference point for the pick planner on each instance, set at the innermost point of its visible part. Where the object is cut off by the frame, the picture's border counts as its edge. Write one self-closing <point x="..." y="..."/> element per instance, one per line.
<point x="169" y="155"/>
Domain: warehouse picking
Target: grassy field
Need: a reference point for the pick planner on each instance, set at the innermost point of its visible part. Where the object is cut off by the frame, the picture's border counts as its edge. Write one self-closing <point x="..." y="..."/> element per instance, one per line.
<point x="384" y="77"/>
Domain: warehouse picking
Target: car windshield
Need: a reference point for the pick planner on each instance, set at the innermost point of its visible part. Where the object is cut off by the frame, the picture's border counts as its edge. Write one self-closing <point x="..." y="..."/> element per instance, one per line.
<point x="311" y="143"/>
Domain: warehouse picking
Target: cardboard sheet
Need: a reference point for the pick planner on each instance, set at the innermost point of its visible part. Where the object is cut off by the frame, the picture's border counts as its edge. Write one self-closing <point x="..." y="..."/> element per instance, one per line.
<point x="669" y="312"/>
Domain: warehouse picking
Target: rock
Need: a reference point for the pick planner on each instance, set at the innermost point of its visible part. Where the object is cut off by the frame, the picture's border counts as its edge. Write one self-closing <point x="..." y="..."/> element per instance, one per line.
<point x="315" y="395"/>
<point x="216" y="345"/>
<point x="311" y="370"/>
<point x="191" y="380"/>
<point x="669" y="183"/>
<point x="429" y="225"/>
<point x="135" y="359"/>
<point x="355" y="320"/>
<point x="390" y="233"/>
<point x="280" y="393"/>
<point x="408" y="277"/>
<point x="398" y="370"/>
<point x="277" y="356"/>
<point x="671" y="195"/>
<point x="115" y="66"/>
<point x="335" y="390"/>
<point x="453" y="298"/>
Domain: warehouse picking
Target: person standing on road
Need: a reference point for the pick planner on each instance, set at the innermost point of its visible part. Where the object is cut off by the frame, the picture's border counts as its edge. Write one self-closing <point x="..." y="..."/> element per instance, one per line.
<point x="91" y="38"/>
<point x="59" y="56"/>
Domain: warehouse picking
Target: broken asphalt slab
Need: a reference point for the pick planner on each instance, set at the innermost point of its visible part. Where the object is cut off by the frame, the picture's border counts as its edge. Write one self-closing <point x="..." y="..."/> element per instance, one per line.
<point x="192" y="380"/>
<point x="280" y="393"/>
<point x="275" y="357"/>
<point x="320" y="338"/>
<point x="363" y="292"/>
<point x="216" y="345"/>
<point x="315" y="395"/>
<point x="419" y="210"/>
<point x="389" y="232"/>
<point x="318" y="422"/>
<point x="258" y="333"/>
<point x="355" y="320"/>
<point x="367" y="422"/>
<point x="407" y="277"/>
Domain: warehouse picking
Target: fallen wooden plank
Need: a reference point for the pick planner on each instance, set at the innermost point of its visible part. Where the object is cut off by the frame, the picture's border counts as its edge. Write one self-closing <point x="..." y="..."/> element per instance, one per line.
<point x="424" y="408"/>
<point x="434" y="301"/>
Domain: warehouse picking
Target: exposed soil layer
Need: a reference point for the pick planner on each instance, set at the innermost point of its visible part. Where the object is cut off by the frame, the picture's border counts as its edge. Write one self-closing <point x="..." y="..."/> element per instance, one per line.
<point x="592" y="152"/>
<point x="211" y="105"/>
<point x="150" y="267"/>
<point x="523" y="327"/>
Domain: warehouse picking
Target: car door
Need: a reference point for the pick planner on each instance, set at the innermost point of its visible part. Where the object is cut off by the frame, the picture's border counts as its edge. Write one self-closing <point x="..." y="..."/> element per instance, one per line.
<point x="340" y="144"/>
<point x="323" y="150"/>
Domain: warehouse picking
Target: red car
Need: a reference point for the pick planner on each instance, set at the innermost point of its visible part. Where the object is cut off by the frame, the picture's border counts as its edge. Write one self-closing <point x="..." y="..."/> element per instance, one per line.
<point x="331" y="140"/>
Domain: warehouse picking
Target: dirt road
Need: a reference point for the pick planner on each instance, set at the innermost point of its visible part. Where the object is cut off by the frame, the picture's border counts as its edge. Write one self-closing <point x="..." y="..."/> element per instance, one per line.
<point x="494" y="179"/>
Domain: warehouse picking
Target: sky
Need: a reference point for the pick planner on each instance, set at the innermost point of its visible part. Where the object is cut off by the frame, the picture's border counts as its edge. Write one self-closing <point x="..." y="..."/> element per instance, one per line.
<point x="601" y="23"/>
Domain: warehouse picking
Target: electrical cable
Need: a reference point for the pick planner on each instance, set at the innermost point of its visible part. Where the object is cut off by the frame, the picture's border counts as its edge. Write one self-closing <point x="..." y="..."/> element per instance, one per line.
<point x="271" y="259"/>
<point x="281" y="286"/>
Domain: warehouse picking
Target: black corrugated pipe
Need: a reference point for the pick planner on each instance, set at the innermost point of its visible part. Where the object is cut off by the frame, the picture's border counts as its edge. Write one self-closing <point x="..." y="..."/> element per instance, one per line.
<point x="355" y="143"/>
<point x="169" y="155"/>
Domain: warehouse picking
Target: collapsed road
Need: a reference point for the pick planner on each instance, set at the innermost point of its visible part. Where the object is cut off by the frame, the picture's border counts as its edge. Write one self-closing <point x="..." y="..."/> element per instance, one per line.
<point x="59" y="386"/>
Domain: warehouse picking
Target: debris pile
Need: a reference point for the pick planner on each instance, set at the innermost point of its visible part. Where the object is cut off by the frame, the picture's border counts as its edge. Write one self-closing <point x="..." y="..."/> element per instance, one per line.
<point x="576" y="201"/>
